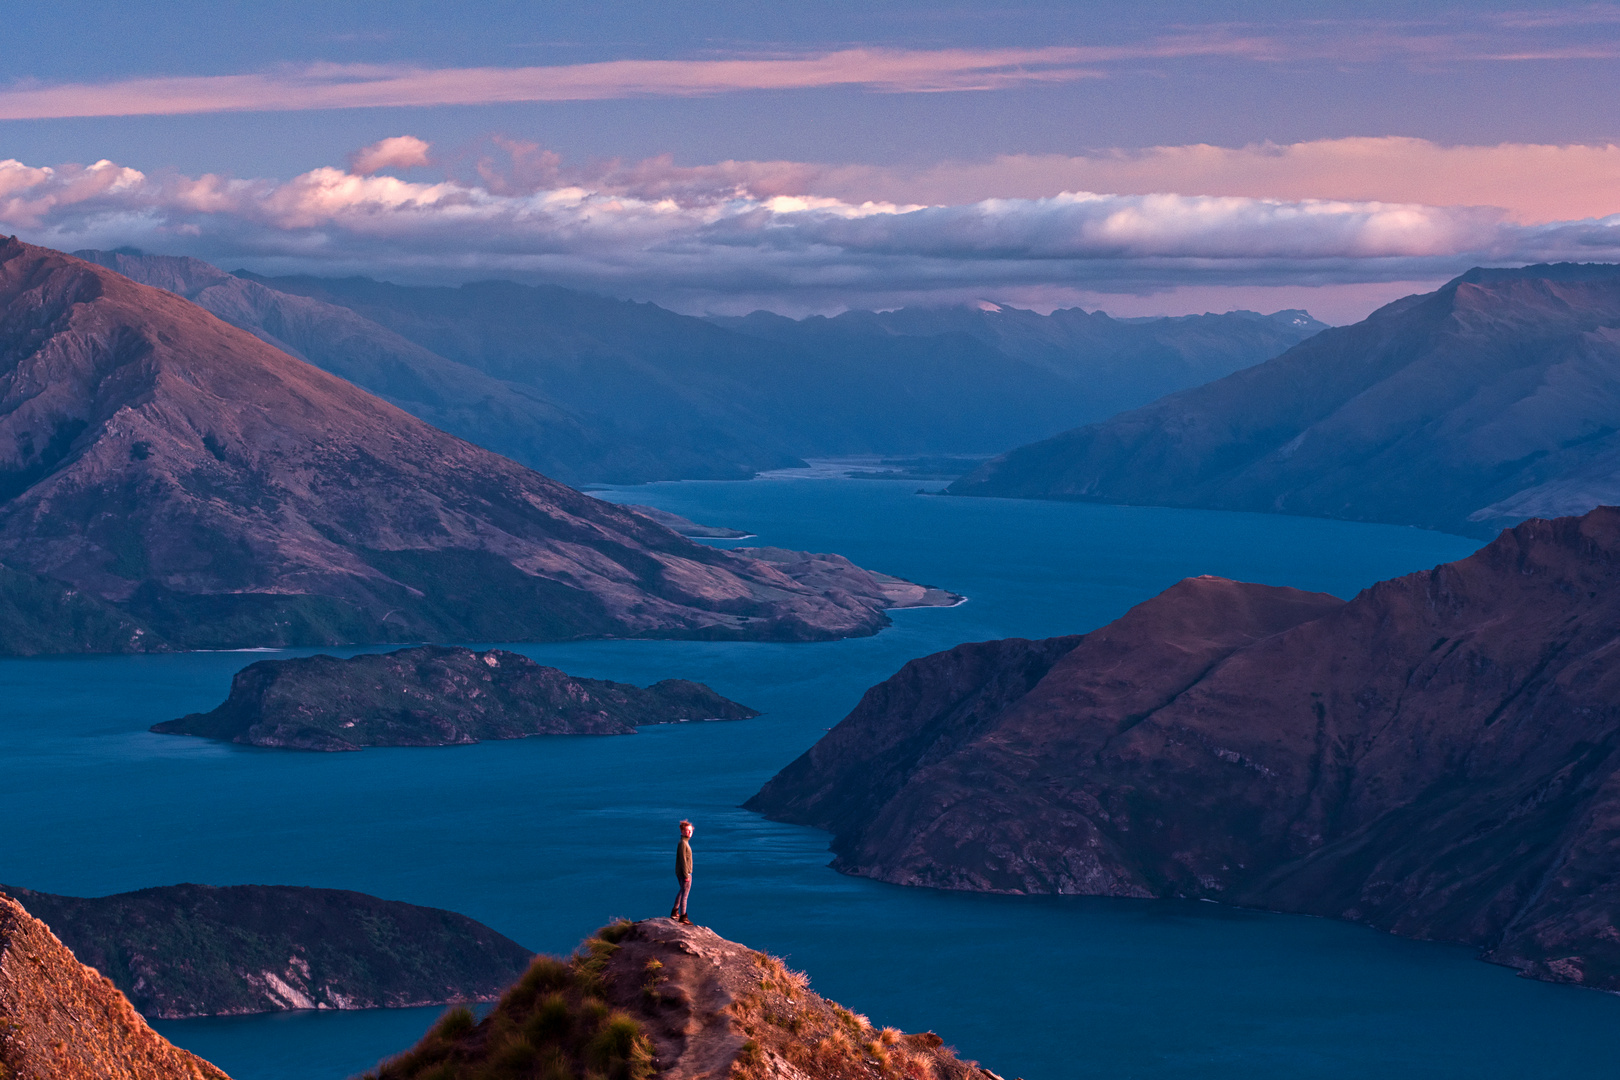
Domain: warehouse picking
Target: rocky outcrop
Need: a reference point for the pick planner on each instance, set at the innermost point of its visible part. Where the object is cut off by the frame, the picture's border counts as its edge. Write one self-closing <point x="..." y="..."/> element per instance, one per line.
<point x="436" y="696"/>
<point x="220" y="494"/>
<point x="1439" y="757"/>
<point x="659" y="999"/>
<point x="1467" y="409"/>
<point x="60" y="1020"/>
<point x="197" y="950"/>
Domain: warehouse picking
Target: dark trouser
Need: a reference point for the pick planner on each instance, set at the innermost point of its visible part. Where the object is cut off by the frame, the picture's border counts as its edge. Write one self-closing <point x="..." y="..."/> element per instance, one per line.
<point x="680" y="898"/>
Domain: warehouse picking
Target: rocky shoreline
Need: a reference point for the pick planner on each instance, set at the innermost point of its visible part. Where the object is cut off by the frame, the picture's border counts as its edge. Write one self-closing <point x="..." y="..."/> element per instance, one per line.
<point x="1438" y="757"/>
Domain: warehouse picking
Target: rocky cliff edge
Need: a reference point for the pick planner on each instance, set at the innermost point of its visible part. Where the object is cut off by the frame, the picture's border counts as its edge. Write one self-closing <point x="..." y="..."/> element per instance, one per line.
<point x="60" y="1020"/>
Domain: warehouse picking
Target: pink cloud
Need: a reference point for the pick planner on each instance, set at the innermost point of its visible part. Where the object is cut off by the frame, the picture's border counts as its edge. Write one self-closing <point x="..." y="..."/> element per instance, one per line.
<point x="350" y="86"/>
<point x="1532" y="182"/>
<point x="399" y="152"/>
<point x="1449" y="37"/>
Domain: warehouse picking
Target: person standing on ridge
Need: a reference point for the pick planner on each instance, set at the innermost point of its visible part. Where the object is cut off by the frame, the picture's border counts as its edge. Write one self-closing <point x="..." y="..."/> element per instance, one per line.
<point x="683" y="874"/>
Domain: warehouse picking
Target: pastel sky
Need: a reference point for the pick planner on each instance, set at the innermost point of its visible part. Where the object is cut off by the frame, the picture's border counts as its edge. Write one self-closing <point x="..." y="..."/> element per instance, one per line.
<point x="813" y="156"/>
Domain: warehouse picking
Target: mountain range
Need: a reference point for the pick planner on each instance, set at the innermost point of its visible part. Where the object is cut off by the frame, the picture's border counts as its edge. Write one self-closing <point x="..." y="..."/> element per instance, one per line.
<point x="169" y="480"/>
<point x="1438" y="757"/>
<point x="1492" y="399"/>
<point x="591" y="389"/>
<point x="1109" y="364"/>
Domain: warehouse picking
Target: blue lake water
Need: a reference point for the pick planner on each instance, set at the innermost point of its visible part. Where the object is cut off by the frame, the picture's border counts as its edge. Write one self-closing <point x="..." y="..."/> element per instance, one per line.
<point x="546" y="839"/>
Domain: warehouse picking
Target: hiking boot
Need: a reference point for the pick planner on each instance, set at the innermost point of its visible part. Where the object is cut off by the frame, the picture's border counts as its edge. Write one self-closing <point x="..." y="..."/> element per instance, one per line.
<point x="684" y="919"/>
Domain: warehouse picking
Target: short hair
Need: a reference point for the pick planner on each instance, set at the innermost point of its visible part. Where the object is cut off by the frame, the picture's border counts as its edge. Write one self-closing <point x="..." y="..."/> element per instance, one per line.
<point x="685" y="824"/>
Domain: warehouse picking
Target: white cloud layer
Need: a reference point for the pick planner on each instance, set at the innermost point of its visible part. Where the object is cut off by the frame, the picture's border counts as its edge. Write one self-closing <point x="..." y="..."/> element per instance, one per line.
<point x="735" y="236"/>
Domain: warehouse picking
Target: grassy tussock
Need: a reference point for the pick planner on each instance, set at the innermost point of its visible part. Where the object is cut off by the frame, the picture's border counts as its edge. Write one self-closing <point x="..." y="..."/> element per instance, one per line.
<point x="827" y="1041"/>
<point x="553" y="1024"/>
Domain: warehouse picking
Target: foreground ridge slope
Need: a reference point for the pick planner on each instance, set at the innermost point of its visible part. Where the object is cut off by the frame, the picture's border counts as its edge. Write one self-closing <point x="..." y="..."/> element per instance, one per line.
<point x="1438" y="757"/>
<point x="63" y="1021"/>
<point x="680" y="1002"/>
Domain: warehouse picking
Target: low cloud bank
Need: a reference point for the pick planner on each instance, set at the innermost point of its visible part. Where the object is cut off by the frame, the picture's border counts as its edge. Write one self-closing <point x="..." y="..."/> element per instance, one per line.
<point x="738" y="235"/>
<point x="1533" y="182"/>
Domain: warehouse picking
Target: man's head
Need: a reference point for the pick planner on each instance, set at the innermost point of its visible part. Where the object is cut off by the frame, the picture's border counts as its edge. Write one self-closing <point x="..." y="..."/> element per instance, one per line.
<point x="686" y="828"/>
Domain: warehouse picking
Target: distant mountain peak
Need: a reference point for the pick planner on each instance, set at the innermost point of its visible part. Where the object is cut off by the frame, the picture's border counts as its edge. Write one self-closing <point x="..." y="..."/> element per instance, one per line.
<point x="1468" y="408"/>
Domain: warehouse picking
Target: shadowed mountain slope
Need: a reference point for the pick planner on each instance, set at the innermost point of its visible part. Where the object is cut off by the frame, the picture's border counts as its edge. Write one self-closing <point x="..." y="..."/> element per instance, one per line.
<point x="1495" y="398"/>
<point x="202" y="950"/>
<point x="1110" y="364"/>
<point x="221" y="493"/>
<point x="61" y="1020"/>
<point x="1439" y="757"/>
<point x="513" y="419"/>
<point x="648" y="375"/>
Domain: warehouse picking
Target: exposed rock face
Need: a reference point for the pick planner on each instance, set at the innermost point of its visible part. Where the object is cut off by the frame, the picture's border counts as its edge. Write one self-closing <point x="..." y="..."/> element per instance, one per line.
<point x="436" y="696"/>
<point x="200" y="950"/>
<point x="1437" y="757"/>
<point x="220" y="493"/>
<point x="60" y="1020"/>
<point x="659" y="999"/>
<point x="1466" y="409"/>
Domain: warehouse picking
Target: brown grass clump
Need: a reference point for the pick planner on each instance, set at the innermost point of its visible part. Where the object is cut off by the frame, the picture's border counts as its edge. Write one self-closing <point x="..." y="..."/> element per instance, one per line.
<point x="785" y="1020"/>
<point x="553" y="1024"/>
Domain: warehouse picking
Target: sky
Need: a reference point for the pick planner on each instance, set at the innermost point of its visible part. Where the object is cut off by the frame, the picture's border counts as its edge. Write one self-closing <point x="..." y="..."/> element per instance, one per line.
<point x="815" y="156"/>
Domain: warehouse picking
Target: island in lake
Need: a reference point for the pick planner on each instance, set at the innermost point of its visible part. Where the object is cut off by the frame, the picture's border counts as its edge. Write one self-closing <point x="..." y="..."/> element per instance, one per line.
<point x="435" y="695"/>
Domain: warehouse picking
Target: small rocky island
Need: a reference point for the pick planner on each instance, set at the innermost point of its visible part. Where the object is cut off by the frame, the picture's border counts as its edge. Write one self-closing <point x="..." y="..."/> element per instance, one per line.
<point x="197" y="950"/>
<point x="435" y="695"/>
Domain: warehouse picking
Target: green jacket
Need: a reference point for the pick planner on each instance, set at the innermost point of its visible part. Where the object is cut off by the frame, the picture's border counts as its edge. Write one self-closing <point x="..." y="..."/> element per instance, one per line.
<point x="683" y="860"/>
